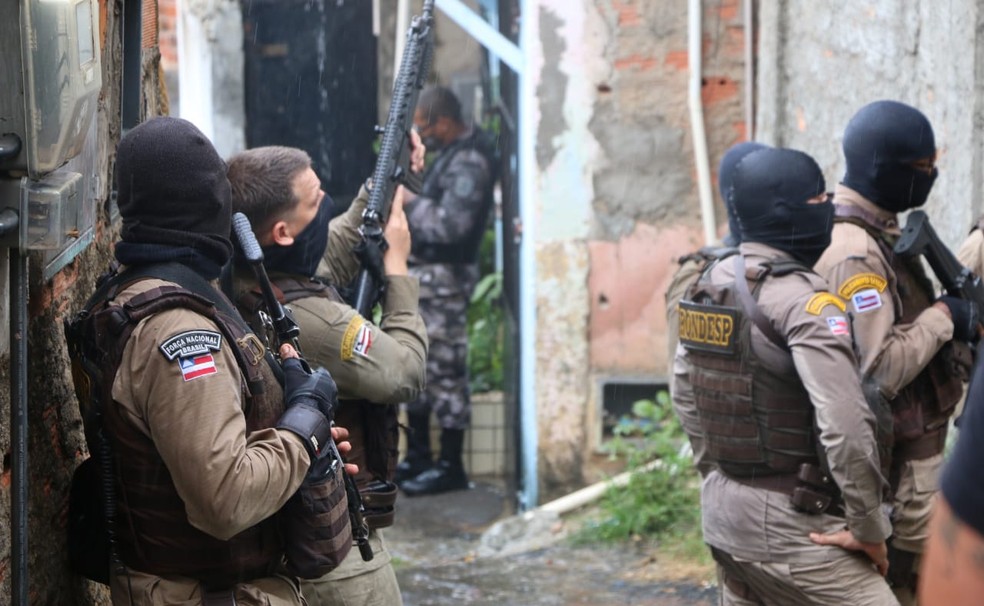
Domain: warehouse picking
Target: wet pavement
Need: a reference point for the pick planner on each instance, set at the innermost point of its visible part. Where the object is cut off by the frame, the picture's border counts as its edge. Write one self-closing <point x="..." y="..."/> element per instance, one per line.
<point x="441" y="559"/>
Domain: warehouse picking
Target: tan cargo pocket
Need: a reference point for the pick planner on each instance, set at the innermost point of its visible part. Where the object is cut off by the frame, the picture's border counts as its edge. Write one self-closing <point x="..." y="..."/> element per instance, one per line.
<point x="926" y="474"/>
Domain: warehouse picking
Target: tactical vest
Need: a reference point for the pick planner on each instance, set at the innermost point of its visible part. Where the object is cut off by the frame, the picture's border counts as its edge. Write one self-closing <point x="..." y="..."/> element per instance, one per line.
<point x="756" y="421"/>
<point x="922" y="409"/>
<point x="374" y="428"/>
<point x="152" y="532"/>
<point x="465" y="250"/>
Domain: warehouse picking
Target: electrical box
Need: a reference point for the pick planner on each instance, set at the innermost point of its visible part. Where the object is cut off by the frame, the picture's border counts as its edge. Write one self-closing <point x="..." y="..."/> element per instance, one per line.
<point x="49" y="57"/>
<point x="51" y="47"/>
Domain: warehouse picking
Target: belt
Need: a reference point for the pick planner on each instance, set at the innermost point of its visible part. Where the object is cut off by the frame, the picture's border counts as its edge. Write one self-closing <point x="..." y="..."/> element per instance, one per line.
<point x="784" y="483"/>
<point x="809" y="490"/>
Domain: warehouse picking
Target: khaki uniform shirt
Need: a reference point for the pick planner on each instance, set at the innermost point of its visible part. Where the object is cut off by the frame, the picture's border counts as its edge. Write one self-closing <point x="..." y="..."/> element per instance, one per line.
<point x="384" y="364"/>
<point x="759" y="524"/>
<point x="971" y="252"/>
<point x="229" y="480"/>
<point x="854" y="266"/>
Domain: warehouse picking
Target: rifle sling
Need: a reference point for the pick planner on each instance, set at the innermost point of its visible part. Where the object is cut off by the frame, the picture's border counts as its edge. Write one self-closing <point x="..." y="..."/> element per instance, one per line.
<point x="751" y="306"/>
<point x="856" y="212"/>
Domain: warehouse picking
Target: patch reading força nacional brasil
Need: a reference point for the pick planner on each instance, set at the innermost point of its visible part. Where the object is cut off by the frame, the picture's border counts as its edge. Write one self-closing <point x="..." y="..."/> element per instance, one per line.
<point x="191" y="343"/>
<point x="193" y="350"/>
<point x="822" y="299"/>
<point x="707" y="327"/>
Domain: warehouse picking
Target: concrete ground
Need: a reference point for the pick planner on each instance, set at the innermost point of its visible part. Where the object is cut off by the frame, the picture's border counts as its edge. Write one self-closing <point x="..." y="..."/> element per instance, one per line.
<point x="467" y="547"/>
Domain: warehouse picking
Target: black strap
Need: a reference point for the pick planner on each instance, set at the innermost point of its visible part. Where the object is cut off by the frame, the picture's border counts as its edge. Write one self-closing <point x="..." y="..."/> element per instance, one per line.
<point x="751" y="306"/>
<point x="190" y="280"/>
<point x="845" y="211"/>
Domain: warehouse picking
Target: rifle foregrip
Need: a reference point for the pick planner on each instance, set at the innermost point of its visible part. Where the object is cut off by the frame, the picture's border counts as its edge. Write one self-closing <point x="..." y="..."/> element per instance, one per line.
<point x="247" y="240"/>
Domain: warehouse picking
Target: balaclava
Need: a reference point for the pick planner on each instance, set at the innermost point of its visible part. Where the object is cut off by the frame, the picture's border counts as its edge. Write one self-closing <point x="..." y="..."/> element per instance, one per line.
<point x="173" y="195"/>
<point x="880" y="142"/>
<point x="770" y="191"/>
<point x="726" y="170"/>
<point x="302" y="257"/>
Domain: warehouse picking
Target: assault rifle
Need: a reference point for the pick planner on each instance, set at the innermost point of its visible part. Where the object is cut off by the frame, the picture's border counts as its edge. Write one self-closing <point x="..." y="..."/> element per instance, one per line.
<point x="287" y="331"/>
<point x="393" y="163"/>
<point x="919" y="238"/>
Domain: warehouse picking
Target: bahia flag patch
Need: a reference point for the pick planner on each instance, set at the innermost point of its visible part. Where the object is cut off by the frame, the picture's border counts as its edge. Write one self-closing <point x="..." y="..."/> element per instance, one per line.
<point x="866" y="300"/>
<point x="363" y="340"/>
<point x="197" y="366"/>
<point x="838" y="325"/>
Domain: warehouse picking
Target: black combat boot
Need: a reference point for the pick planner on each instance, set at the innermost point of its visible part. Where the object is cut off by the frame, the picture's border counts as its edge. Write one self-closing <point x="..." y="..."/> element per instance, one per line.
<point x="419" y="458"/>
<point x="449" y="473"/>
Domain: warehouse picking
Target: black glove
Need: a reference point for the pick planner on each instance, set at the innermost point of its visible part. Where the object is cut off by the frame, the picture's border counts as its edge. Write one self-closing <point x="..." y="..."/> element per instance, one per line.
<point x="965" y="316"/>
<point x="311" y="398"/>
<point x="311" y="388"/>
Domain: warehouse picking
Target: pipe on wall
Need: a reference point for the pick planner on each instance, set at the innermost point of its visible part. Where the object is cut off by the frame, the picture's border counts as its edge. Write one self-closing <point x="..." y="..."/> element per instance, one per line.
<point x="749" y="16"/>
<point x="527" y="263"/>
<point x="695" y="39"/>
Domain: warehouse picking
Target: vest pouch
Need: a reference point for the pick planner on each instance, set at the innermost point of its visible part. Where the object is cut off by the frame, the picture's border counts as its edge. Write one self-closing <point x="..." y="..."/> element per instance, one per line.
<point x="88" y="533"/>
<point x="316" y="527"/>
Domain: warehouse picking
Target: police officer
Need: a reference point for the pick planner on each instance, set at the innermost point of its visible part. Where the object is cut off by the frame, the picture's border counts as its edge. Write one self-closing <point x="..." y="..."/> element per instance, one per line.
<point x="902" y="332"/>
<point x="205" y="451"/>
<point x="447" y="221"/>
<point x="774" y="382"/>
<point x="691" y="267"/>
<point x="374" y="366"/>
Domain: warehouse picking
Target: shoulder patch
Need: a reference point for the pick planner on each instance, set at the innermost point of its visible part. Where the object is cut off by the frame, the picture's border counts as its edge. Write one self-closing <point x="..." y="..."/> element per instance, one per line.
<point x="194" y="367"/>
<point x="866" y="300"/>
<point x="357" y="339"/>
<point x="859" y="282"/>
<point x="838" y="325"/>
<point x="707" y="327"/>
<point x="191" y="343"/>
<point x="464" y="186"/>
<point x="822" y="299"/>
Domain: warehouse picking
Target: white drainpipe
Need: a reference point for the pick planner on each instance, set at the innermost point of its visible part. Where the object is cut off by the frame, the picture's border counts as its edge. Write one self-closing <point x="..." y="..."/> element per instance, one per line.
<point x="695" y="39"/>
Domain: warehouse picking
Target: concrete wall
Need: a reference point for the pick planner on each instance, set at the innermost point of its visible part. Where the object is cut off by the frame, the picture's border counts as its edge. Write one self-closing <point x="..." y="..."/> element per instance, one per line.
<point x="819" y="63"/>
<point x="616" y="198"/>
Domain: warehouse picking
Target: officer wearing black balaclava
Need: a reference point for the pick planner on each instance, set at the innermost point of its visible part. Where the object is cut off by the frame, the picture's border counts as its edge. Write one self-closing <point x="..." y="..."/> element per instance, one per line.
<point x="889" y="150"/>
<point x="780" y="200"/>
<point x="726" y="169"/>
<point x="902" y="330"/>
<point x="786" y="435"/>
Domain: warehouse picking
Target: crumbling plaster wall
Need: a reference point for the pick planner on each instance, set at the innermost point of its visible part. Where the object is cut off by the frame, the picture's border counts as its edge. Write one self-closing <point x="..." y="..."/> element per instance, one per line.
<point x="820" y="62"/>
<point x="616" y="198"/>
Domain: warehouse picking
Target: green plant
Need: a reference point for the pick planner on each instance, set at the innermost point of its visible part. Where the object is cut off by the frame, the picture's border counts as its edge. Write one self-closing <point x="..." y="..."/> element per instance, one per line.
<point x="486" y="335"/>
<point x="662" y="500"/>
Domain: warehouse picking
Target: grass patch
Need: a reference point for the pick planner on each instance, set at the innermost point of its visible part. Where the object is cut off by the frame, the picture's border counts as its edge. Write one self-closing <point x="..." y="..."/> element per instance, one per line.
<point x="660" y="505"/>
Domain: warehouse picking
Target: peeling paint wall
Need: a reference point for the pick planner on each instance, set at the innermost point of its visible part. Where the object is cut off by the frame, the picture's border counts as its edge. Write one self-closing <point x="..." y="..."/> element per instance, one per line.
<point x="924" y="53"/>
<point x="616" y="198"/>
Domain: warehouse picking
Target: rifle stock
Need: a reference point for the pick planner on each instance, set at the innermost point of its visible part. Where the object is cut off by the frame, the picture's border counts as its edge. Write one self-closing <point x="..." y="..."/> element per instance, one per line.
<point x="288" y="332"/>
<point x="393" y="163"/>
<point x="919" y="238"/>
